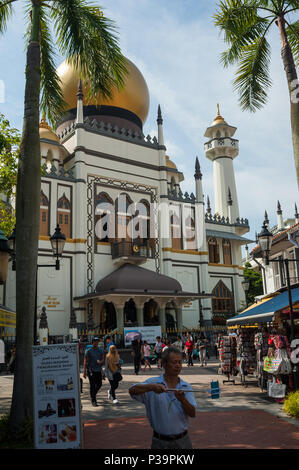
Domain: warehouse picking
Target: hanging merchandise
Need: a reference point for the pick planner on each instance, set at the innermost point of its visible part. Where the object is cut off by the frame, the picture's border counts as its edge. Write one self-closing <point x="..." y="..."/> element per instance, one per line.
<point x="275" y="389"/>
<point x="227" y="356"/>
<point x="246" y="352"/>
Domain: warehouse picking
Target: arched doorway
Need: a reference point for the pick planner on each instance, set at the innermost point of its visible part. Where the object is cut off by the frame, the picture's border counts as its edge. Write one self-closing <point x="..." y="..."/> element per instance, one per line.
<point x="150" y="313"/>
<point x="107" y="317"/>
<point x="170" y="315"/>
<point x="130" y="313"/>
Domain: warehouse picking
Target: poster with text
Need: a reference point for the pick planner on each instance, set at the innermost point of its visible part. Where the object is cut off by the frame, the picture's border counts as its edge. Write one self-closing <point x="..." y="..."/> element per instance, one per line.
<point x="146" y="333"/>
<point x="57" y="406"/>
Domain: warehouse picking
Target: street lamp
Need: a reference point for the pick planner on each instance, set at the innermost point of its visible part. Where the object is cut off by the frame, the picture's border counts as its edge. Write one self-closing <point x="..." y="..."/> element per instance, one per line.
<point x="57" y="240"/>
<point x="4" y="255"/>
<point x="246" y="284"/>
<point x="265" y="242"/>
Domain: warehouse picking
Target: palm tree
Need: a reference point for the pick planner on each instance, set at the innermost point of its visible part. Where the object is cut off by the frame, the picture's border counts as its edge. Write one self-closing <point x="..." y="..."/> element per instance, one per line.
<point x="245" y="24"/>
<point x="88" y="40"/>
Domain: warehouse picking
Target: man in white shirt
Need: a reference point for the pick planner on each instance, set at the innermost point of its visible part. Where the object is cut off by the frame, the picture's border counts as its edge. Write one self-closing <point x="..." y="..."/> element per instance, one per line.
<point x="158" y="351"/>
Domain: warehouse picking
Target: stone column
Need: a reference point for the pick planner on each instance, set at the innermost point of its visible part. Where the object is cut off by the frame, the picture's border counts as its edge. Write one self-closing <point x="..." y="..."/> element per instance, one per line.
<point x="179" y="317"/>
<point x="119" y="308"/>
<point x="139" y="307"/>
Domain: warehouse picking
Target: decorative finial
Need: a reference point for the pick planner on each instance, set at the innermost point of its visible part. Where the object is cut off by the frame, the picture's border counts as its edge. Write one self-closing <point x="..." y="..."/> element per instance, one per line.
<point x="229" y="201"/>
<point x="279" y="211"/>
<point x="296" y="212"/>
<point x="208" y="205"/>
<point x="266" y="218"/>
<point x="198" y="173"/>
<point x="218" y="110"/>
<point x="80" y="90"/>
<point x="159" y="119"/>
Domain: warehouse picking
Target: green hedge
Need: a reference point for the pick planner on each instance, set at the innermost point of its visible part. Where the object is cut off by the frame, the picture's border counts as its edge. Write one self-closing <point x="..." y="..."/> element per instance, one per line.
<point x="291" y="404"/>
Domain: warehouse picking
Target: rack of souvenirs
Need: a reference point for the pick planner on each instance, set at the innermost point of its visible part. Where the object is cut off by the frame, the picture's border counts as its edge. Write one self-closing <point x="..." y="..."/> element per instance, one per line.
<point x="246" y="353"/>
<point x="261" y="347"/>
<point x="228" y="357"/>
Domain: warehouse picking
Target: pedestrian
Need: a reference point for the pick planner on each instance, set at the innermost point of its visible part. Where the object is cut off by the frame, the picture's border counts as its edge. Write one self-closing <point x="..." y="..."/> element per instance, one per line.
<point x="113" y="372"/>
<point x="92" y="367"/>
<point x="202" y="351"/>
<point x="109" y="342"/>
<point x="136" y="353"/>
<point x="168" y="412"/>
<point x="12" y="360"/>
<point x="158" y="351"/>
<point x="178" y="343"/>
<point x="166" y="345"/>
<point x="189" y="346"/>
<point x="146" y="354"/>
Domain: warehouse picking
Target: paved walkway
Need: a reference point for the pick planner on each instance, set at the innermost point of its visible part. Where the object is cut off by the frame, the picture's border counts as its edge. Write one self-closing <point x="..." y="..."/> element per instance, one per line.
<point x="243" y="417"/>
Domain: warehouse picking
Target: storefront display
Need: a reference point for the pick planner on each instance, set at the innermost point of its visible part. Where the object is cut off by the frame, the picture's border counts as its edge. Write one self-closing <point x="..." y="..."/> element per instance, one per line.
<point x="228" y="356"/>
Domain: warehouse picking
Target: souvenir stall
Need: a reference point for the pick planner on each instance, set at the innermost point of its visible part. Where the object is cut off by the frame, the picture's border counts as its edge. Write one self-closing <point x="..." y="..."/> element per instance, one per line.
<point x="246" y="353"/>
<point x="261" y="346"/>
<point x="228" y="357"/>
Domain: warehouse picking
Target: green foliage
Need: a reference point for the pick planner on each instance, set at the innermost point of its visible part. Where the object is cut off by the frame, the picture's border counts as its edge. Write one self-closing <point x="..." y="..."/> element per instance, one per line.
<point x="245" y="25"/>
<point x="20" y="440"/>
<point x="291" y="404"/>
<point x="255" y="283"/>
<point x="9" y="145"/>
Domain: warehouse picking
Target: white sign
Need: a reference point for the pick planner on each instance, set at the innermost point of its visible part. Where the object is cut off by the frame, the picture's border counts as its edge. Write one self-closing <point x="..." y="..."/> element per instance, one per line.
<point x="57" y="406"/>
<point x="148" y="333"/>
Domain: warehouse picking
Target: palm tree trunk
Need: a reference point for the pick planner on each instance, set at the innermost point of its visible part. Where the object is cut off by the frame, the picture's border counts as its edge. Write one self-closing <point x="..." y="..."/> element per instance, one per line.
<point x="292" y="79"/>
<point x="27" y="230"/>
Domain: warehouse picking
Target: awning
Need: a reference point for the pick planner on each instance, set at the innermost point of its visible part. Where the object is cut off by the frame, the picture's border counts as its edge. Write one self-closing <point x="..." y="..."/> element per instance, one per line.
<point x="228" y="235"/>
<point x="7" y="318"/>
<point x="265" y="310"/>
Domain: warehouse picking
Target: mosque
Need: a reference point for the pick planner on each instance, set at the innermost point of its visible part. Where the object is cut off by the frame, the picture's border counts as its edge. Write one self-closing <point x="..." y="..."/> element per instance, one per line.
<point x="167" y="258"/>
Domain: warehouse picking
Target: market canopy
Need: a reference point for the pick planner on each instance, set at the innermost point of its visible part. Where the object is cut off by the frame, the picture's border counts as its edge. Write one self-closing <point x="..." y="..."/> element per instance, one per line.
<point x="265" y="310"/>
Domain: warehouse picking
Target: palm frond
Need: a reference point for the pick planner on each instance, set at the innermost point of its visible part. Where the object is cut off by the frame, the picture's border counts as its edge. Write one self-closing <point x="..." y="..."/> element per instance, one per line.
<point x="6" y="11"/>
<point x="51" y="103"/>
<point x="293" y="38"/>
<point x="88" y="39"/>
<point x="253" y="78"/>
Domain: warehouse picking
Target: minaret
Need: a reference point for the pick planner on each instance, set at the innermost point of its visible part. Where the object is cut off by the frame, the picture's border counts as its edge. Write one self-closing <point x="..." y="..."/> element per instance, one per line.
<point x="198" y="182"/>
<point x="221" y="149"/>
<point x="296" y="214"/>
<point x="229" y="203"/>
<point x="209" y="210"/>
<point x="160" y="127"/>
<point x="266" y="219"/>
<point x="80" y="115"/>
<point x="280" y="225"/>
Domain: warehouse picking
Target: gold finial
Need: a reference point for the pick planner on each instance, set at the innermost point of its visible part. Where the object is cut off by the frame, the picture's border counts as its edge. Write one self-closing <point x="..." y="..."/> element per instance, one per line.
<point x="218" y="110"/>
<point x="218" y="119"/>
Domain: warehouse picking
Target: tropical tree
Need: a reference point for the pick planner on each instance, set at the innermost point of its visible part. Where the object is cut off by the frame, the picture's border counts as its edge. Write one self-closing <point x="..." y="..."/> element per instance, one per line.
<point x="88" y="40"/>
<point x="255" y="283"/>
<point x="246" y="24"/>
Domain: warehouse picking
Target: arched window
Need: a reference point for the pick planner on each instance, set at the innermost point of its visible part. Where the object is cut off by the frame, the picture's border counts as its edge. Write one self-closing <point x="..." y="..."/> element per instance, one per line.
<point x="227" y="252"/>
<point x="176" y="232"/>
<point x="104" y="218"/>
<point x="213" y="251"/>
<point x="222" y="303"/>
<point x="44" y="215"/>
<point x="123" y="217"/>
<point x="190" y="234"/>
<point x="64" y="216"/>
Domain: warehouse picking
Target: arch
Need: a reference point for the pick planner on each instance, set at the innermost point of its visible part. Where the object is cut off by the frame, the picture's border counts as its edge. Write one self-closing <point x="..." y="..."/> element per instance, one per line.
<point x="176" y="232"/>
<point x="64" y="215"/>
<point x="190" y="233"/>
<point x="104" y="218"/>
<point x="150" y="313"/>
<point x="222" y="303"/>
<point x="170" y="315"/>
<point x="44" y="215"/>
<point x="123" y="215"/>
<point x="130" y="313"/>
<point x="172" y="183"/>
<point x="107" y="316"/>
<point x="213" y="250"/>
<point x="227" y="251"/>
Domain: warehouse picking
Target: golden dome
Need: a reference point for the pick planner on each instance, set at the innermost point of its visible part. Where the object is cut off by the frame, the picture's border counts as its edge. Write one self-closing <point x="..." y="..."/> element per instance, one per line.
<point x="218" y="119"/>
<point x="46" y="132"/>
<point x="134" y="96"/>
<point x="169" y="163"/>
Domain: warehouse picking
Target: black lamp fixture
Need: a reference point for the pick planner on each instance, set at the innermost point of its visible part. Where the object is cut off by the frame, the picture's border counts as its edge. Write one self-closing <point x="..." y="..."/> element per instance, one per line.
<point x="4" y="255"/>
<point x="265" y="242"/>
<point x="245" y="284"/>
<point x="57" y="241"/>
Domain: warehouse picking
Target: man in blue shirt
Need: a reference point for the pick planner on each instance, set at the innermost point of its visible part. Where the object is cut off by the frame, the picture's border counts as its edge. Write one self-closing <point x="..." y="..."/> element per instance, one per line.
<point x="168" y="411"/>
<point x="93" y="361"/>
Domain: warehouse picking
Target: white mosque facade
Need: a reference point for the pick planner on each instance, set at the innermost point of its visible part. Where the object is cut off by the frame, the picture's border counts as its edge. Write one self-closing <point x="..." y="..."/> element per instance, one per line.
<point x="182" y="269"/>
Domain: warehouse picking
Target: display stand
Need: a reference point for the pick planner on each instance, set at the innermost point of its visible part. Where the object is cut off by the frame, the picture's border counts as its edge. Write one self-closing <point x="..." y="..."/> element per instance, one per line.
<point x="227" y="356"/>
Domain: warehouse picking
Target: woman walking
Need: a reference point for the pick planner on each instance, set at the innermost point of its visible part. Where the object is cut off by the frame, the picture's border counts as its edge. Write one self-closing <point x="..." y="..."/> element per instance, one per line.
<point x="112" y="371"/>
<point x="146" y="353"/>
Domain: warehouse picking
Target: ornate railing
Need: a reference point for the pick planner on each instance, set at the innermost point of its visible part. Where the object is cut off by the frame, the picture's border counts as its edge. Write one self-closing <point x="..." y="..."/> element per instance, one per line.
<point x="132" y="249"/>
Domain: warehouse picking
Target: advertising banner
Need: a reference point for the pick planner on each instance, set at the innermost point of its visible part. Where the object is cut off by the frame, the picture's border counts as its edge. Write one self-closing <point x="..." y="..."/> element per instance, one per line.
<point x="57" y="406"/>
<point x="146" y="333"/>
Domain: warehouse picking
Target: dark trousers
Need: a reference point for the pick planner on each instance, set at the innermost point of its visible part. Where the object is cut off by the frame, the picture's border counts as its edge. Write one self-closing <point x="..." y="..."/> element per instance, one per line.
<point x="137" y="361"/>
<point x="190" y="358"/>
<point x="95" y="381"/>
<point x="113" y="387"/>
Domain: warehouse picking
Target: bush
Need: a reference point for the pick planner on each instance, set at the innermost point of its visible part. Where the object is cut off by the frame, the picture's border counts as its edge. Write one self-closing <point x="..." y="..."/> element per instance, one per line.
<point x="291" y="404"/>
<point x="22" y="440"/>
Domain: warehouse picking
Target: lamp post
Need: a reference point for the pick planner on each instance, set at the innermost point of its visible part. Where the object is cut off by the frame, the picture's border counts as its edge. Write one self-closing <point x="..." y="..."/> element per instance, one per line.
<point x="57" y="242"/>
<point x="246" y="285"/>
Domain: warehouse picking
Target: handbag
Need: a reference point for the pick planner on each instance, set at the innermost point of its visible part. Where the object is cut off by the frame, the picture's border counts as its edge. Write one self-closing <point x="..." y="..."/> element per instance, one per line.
<point x="117" y="376"/>
<point x="267" y="363"/>
<point x="276" y="390"/>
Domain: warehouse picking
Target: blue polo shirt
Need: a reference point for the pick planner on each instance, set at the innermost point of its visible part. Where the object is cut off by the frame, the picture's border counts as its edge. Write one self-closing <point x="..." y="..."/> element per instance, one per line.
<point x="94" y="355"/>
<point x="164" y="411"/>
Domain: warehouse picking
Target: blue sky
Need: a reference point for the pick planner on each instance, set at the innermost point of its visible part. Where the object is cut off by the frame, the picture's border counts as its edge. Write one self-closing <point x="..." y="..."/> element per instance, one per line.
<point x="176" y="46"/>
